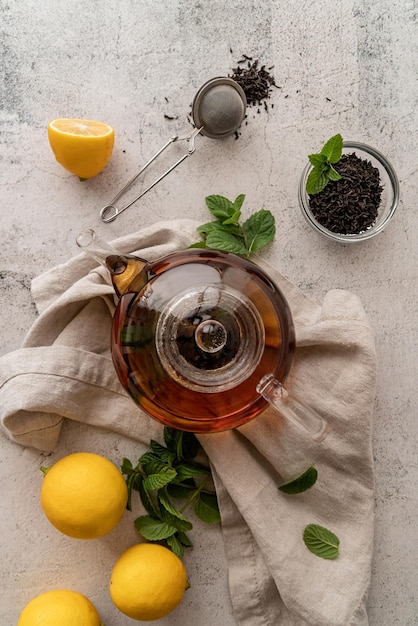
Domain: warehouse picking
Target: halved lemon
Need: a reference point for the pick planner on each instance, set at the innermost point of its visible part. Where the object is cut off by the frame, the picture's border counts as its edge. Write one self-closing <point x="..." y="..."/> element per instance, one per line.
<point x="83" y="147"/>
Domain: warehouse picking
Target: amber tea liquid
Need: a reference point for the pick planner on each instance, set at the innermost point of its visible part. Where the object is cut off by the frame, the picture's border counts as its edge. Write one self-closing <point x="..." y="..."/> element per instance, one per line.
<point x="192" y="344"/>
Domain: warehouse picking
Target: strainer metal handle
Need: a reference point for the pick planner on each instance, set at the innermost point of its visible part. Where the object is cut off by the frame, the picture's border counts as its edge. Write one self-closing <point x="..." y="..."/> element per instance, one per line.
<point x="110" y="212"/>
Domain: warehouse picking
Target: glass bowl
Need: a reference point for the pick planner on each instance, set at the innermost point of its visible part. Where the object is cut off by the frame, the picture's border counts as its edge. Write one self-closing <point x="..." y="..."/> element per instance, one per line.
<point x="389" y="198"/>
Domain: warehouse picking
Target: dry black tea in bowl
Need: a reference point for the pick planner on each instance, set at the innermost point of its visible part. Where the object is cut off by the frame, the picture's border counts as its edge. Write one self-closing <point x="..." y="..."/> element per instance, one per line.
<point x="348" y="191"/>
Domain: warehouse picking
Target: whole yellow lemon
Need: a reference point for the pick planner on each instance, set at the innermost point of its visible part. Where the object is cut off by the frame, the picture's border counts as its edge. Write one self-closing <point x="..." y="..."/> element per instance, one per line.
<point x="148" y="582"/>
<point x="60" y="608"/>
<point x="83" y="147"/>
<point x="84" y="495"/>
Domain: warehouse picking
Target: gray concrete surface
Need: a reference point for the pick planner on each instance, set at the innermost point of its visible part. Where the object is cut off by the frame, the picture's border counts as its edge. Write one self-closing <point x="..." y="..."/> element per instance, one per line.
<point x="348" y="67"/>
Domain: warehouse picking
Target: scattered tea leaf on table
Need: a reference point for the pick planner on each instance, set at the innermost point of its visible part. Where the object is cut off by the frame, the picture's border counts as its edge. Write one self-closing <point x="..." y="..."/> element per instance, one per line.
<point x="302" y="483"/>
<point x="321" y="541"/>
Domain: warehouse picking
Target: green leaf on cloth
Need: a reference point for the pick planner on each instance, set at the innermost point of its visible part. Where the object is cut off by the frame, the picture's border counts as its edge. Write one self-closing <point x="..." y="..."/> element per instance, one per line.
<point x="321" y="541"/>
<point x="302" y="483"/>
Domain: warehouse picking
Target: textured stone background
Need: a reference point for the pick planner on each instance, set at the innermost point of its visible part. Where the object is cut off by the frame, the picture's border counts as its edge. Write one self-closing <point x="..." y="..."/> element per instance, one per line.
<point x="348" y="67"/>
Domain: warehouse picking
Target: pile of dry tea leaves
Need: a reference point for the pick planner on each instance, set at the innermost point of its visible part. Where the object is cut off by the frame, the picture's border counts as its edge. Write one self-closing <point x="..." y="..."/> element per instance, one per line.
<point x="257" y="82"/>
<point x="349" y="205"/>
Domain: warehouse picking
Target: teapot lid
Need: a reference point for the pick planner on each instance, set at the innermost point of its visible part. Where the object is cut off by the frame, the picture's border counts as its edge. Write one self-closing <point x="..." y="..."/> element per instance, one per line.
<point x="210" y="338"/>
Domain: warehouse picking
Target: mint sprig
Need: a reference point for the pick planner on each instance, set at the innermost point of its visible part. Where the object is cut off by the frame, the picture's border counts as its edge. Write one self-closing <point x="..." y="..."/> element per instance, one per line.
<point x="168" y="473"/>
<point x="323" y="171"/>
<point x="227" y="234"/>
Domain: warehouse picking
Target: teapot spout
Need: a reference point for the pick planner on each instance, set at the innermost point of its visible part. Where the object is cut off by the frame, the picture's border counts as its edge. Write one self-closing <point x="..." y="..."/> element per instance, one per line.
<point x="124" y="269"/>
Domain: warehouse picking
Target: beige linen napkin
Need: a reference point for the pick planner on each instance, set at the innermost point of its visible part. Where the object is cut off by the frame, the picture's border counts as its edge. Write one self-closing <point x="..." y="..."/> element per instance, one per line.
<point x="64" y="370"/>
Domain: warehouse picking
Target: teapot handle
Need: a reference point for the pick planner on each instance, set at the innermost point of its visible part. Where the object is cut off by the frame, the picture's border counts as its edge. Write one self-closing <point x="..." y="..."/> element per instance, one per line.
<point x="300" y="414"/>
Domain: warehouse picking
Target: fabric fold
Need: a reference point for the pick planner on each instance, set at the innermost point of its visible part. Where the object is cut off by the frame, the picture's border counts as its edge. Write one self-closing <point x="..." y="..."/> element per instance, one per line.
<point x="64" y="371"/>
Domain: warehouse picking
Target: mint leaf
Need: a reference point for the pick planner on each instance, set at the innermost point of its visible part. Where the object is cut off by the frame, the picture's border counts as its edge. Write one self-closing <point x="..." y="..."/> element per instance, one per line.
<point x="301" y="483"/>
<point x="152" y="462"/>
<point x="259" y="230"/>
<point x="317" y="180"/>
<point x="197" y="244"/>
<point x="220" y="207"/>
<point x="157" y="447"/>
<point x="126" y="467"/>
<point x="171" y="509"/>
<point x="233" y="219"/>
<point x="239" y="201"/>
<point x="177" y="541"/>
<point x="317" y="160"/>
<point x="321" y="541"/>
<point x="180" y="491"/>
<point x="175" y="545"/>
<point x="206" y="508"/>
<point x="333" y="174"/>
<point x="154" y="466"/>
<point x="180" y="524"/>
<point x="189" y="445"/>
<point x="219" y="227"/>
<point x="185" y="471"/>
<point x="225" y="242"/>
<point x="148" y="501"/>
<point x="171" y="438"/>
<point x="184" y="539"/>
<point x="208" y="227"/>
<point x="162" y="452"/>
<point x="333" y="149"/>
<point x="130" y="483"/>
<point x="156" y="481"/>
<point x="182" y="443"/>
<point x="153" y="529"/>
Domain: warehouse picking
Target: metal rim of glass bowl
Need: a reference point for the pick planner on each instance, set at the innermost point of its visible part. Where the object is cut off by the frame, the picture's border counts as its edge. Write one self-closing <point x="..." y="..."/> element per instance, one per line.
<point x="388" y="205"/>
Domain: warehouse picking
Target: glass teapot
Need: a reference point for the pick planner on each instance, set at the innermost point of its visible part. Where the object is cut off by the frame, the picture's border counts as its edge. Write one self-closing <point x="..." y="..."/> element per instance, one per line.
<point x="202" y="340"/>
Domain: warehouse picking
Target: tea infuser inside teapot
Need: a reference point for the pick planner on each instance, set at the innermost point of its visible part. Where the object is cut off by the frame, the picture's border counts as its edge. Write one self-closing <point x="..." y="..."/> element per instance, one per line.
<point x="218" y="109"/>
